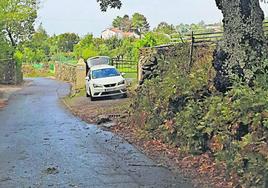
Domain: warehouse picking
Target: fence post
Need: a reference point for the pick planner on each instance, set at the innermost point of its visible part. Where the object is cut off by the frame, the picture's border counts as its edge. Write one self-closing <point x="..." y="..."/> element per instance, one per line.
<point x="191" y="52"/>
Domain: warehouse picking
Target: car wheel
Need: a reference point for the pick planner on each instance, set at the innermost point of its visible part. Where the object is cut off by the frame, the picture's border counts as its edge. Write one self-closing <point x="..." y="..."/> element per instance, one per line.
<point x="92" y="98"/>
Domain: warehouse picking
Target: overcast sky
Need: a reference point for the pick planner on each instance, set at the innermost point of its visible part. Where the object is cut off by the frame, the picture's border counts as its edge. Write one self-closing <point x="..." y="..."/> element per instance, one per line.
<point x="84" y="16"/>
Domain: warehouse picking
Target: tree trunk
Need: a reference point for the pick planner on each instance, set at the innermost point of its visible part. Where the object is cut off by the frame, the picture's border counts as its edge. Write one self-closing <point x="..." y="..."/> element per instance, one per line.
<point x="243" y="47"/>
<point x="13" y="43"/>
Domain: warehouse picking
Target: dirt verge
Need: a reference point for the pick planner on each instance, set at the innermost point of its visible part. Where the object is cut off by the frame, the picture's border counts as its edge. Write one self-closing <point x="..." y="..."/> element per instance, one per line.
<point x="93" y="111"/>
<point x="7" y="90"/>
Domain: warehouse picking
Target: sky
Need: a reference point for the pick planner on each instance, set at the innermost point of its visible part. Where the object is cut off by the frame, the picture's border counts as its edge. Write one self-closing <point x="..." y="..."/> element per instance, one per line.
<point x="84" y="16"/>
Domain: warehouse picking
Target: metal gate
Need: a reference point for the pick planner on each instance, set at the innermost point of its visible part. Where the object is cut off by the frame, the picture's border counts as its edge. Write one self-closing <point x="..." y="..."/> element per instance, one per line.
<point x="124" y="65"/>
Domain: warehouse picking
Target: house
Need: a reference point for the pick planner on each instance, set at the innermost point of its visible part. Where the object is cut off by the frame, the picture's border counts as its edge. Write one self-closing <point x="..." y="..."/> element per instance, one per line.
<point x="114" y="32"/>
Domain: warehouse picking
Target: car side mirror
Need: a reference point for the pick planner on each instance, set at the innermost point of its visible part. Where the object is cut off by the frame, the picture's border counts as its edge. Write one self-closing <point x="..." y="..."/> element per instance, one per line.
<point x="87" y="78"/>
<point x="123" y="74"/>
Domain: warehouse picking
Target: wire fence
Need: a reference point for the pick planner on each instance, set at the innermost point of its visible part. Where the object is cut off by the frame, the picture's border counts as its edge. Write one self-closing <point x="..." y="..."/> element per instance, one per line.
<point x="124" y="65"/>
<point x="199" y="37"/>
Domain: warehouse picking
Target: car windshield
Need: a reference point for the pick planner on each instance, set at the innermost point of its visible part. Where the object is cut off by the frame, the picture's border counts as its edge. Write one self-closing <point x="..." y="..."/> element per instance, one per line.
<point x="103" y="73"/>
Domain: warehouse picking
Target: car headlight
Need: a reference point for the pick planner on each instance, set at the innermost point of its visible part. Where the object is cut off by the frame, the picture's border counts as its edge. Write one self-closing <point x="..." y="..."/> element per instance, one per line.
<point x="122" y="82"/>
<point x="97" y="85"/>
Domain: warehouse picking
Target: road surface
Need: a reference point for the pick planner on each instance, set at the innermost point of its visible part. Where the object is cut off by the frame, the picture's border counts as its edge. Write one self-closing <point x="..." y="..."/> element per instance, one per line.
<point x="43" y="145"/>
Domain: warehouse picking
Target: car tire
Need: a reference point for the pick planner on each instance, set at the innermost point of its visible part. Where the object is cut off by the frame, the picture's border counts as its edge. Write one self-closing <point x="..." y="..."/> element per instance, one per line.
<point x="92" y="98"/>
<point x="124" y="95"/>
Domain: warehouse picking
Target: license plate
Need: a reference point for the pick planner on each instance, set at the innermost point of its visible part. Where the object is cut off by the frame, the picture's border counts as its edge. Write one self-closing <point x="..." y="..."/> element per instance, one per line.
<point x="108" y="90"/>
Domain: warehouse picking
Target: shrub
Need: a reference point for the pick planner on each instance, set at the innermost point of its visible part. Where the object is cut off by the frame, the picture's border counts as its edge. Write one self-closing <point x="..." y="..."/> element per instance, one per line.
<point x="183" y="109"/>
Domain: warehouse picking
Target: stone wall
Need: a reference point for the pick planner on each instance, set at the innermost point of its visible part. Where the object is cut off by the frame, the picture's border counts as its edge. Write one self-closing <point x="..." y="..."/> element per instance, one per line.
<point x="65" y="72"/>
<point x="149" y="58"/>
<point x="148" y="62"/>
<point x="10" y="72"/>
<point x="74" y="74"/>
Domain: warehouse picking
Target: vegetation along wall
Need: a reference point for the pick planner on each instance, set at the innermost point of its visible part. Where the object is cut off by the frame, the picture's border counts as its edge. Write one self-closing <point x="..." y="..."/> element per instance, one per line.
<point x="178" y="104"/>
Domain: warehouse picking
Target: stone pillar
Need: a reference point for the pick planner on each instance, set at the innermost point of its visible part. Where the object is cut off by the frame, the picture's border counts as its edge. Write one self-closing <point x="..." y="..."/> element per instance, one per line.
<point x="80" y="74"/>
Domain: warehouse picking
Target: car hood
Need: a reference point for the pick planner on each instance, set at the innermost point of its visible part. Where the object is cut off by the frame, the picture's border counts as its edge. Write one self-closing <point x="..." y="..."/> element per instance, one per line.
<point x="108" y="80"/>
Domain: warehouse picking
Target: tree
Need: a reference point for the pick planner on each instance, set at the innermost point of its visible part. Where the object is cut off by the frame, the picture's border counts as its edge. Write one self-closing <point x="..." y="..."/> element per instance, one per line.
<point x="183" y="28"/>
<point x="35" y="50"/>
<point x="113" y="43"/>
<point x="17" y="19"/>
<point x="105" y="4"/>
<point x="137" y="23"/>
<point x="165" y="28"/>
<point x="243" y="47"/>
<point x="85" y="48"/>
<point x="39" y="40"/>
<point x="53" y="45"/>
<point x="123" y="23"/>
<point x="67" y="41"/>
<point x="196" y="28"/>
<point x="117" y="22"/>
<point x="5" y="49"/>
<point x="140" y="23"/>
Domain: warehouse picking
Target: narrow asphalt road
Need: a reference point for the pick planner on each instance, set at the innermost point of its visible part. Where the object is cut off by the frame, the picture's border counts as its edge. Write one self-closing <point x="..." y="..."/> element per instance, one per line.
<point x="43" y="145"/>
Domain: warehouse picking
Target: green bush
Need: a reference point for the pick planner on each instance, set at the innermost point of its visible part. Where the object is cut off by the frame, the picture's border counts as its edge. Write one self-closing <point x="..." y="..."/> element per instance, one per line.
<point x="233" y="127"/>
<point x="183" y="109"/>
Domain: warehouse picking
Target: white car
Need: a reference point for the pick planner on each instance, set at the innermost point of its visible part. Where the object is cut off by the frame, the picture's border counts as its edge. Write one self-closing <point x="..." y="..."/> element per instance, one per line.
<point x="103" y="81"/>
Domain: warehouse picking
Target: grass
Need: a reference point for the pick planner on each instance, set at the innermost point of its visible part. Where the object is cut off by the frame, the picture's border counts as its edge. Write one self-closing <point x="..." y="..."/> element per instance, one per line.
<point x="131" y="75"/>
<point x="38" y="74"/>
<point x="127" y="69"/>
<point x="71" y="61"/>
<point x="79" y="93"/>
